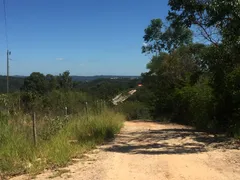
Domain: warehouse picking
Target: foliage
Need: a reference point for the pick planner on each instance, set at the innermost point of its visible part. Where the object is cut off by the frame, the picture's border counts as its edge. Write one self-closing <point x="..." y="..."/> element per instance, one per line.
<point x="195" y="83"/>
<point x="106" y="88"/>
<point x="65" y="81"/>
<point x="15" y="83"/>
<point x="40" y="84"/>
<point x="135" y="110"/>
<point x="233" y="84"/>
<point x="157" y="38"/>
<point x="66" y="125"/>
<point x="194" y="106"/>
<point x="79" y="133"/>
<point x="35" y="83"/>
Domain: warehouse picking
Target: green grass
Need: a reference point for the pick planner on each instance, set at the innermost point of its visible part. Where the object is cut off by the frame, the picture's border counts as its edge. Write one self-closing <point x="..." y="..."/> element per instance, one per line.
<point x="79" y="134"/>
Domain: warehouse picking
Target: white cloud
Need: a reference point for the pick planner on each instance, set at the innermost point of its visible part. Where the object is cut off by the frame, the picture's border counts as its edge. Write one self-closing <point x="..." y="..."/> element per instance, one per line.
<point x="59" y="59"/>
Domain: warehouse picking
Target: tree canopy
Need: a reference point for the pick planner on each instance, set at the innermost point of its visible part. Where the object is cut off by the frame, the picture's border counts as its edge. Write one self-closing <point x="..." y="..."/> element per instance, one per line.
<point x="196" y="83"/>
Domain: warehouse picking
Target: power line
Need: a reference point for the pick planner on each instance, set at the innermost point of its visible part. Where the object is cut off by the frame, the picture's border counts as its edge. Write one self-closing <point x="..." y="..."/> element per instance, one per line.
<point x="5" y="20"/>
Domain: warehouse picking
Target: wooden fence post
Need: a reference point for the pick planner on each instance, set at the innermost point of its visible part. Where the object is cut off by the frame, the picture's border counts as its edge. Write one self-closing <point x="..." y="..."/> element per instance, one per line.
<point x="86" y="104"/>
<point x="19" y="103"/>
<point x="34" y="129"/>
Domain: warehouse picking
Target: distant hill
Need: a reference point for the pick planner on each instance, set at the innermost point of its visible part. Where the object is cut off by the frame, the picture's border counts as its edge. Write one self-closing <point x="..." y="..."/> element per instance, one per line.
<point x="91" y="78"/>
<point x="16" y="81"/>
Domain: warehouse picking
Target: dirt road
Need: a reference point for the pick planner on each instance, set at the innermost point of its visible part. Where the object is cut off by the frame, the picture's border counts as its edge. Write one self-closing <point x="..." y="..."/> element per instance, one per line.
<point x="151" y="151"/>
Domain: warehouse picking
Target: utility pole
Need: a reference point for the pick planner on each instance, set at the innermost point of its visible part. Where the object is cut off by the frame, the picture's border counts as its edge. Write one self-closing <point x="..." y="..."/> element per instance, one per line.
<point x="8" y="53"/>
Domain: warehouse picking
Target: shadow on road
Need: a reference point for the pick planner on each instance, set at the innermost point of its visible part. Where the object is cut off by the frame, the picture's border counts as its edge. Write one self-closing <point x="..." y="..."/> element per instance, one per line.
<point x="169" y="141"/>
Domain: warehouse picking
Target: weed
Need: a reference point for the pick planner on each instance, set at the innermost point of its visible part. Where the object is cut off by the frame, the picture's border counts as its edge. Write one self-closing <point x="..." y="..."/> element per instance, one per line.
<point x="57" y="145"/>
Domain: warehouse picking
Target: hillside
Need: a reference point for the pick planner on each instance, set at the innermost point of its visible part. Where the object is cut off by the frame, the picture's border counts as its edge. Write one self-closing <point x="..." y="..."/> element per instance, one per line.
<point x="17" y="81"/>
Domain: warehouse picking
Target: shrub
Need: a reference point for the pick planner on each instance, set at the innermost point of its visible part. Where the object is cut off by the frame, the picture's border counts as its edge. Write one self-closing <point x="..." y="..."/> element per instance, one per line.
<point x="134" y="110"/>
<point x="195" y="106"/>
<point x="233" y="85"/>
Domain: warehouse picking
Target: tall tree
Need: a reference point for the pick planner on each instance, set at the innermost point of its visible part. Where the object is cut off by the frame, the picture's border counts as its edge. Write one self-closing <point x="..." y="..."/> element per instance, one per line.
<point x="219" y="23"/>
<point x="65" y="81"/>
<point x="51" y="82"/>
<point x="159" y="38"/>
<point x="35" y="83"/>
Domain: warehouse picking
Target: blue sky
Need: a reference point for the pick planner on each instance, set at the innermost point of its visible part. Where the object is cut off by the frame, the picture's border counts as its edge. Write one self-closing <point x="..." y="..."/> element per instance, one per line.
<point x="87" y="37"/>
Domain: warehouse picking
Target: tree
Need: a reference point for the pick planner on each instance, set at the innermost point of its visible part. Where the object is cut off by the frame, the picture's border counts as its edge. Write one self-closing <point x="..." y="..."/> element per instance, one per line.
<point x="36" y="83"/>
<point x="165" y="69"/>
<point x="65" y="81"/>
<point x="51" y="82"/>
<point x="171" y="71"/>
<point x="158" y="38"/>
<point x="219" y="24"/>
<point x="218" y="21"/>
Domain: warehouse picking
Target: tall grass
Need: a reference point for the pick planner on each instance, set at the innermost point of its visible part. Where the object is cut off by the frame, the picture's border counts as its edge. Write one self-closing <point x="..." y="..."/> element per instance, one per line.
<point x="59" y="140"/>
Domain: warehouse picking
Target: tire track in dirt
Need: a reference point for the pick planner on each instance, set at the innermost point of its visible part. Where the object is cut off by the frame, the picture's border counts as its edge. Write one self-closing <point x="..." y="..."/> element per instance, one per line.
<point x="146" y="150"/>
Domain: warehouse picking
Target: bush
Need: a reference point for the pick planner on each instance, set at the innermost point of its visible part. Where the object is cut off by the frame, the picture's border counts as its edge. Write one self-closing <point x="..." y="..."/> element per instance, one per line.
<point x="134" y="110"/>
<point x="195" y="106"/>
<point x="54" y="103"/>
<point x="233" y="85"/>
